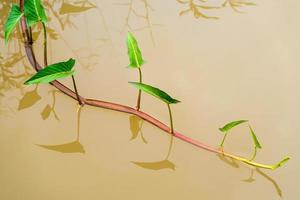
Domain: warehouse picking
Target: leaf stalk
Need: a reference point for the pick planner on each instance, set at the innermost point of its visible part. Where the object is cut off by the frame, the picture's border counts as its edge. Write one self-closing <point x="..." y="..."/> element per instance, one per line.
<point x="76" y="91"/>
<point x="171" y="118"/>
<point x="223" y="140"/>
<point x="138" y="104"/>
<point x="45" y="44"/>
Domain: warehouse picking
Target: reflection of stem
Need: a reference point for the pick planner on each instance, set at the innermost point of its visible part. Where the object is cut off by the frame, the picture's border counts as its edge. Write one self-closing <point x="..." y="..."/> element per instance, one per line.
<point x="138" y="104"/>
<point x="129" y="110"/>
<point x="78" y="121"/>
<point x="45" y="44"/>
<point x="141" y="131"/>
<point x="53" y="104"/>
<point x="171" y="118"/>
<point x="250" y="178"/>
<point x="279" y="192"/>
<point x="223" y="140"/>
<point x="75" y="88"/>
<point x="254" y="154"/>
<point x="170" y="147"/>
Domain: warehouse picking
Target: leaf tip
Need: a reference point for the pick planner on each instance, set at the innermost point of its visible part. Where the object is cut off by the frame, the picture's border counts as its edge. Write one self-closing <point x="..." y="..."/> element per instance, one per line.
<point x="281" y="163"/>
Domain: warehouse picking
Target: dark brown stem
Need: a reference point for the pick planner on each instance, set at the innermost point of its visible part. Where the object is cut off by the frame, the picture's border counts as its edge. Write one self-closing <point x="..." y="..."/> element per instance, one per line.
<point x="76" y="91"/>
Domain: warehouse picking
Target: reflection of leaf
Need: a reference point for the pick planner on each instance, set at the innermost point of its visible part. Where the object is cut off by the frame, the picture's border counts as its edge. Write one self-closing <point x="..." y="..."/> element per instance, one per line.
<point x="13" y="18"/>
<point x="35" y="35"/>
<point x="53" y="72"/>
<point x="134" y="126"/>
<point x="230" y="162"/>
<point x="72" y="147"/>
<point x="67" y="8"/>
<point x="52" y="33"/>
<point x="249" y="180"/>
<point x="46" y="112"/>
<point x="29" y="99"/>
<point x="155" y="92"/>
<point x="164" y="164"/>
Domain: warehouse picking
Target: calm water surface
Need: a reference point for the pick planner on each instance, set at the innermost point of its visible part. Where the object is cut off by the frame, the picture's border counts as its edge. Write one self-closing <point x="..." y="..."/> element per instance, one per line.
<point x="240" y="66"/>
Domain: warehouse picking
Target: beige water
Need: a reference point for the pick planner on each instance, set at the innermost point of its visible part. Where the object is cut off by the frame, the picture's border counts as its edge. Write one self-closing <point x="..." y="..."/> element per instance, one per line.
<point x="241" y="66"/>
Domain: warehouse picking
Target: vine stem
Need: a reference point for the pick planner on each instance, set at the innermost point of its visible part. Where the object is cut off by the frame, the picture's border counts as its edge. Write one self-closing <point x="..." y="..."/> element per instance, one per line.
<point x="45" y="45"/>
<point x="126" y="109"/>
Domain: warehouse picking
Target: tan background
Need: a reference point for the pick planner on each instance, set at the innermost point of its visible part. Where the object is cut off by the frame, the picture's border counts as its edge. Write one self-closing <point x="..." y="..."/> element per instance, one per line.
<point x="241" y="66"/>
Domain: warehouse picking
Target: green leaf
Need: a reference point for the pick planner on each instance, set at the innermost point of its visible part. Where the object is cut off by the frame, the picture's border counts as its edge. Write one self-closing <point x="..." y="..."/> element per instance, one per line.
<point x="34" y="12"/>
<point x="134" y="53"/>
<point x="155" y="92"/>
<point x="281" y="163"/>
<point x="53" y="72"/>
<point x="12" y="20"/>
<point x="255" y="140"/>
<point x="231" y="125"/>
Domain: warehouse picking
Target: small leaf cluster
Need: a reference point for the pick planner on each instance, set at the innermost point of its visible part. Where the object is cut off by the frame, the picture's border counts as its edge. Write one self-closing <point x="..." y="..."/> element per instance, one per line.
<point x="34" y="13"/>
<point x="229" y="126"/>
<point x="136" y="61"/>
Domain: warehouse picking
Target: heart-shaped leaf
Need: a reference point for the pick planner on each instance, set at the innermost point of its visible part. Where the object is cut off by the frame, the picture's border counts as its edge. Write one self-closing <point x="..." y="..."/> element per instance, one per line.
<point x="134" y="53"/>
<point x="53" y="72"/>
<point x="231" y="125"/>
<point x="254" y="137"/>
<point x="155" y="92"/>
<point x="12" y="20"/>
<point x="34" y="12"/>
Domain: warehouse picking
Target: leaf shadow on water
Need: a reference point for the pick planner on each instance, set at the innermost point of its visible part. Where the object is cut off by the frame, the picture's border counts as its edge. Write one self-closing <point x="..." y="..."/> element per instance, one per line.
<point x="67" y="8"/>
<point x="161" y="164"/>
<point x="136" y="124"/>
<point x="250" y="179"/>
<point x="48" y="109"/>
<point x="29" y="99"/>
<point x="70" y="147"/>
